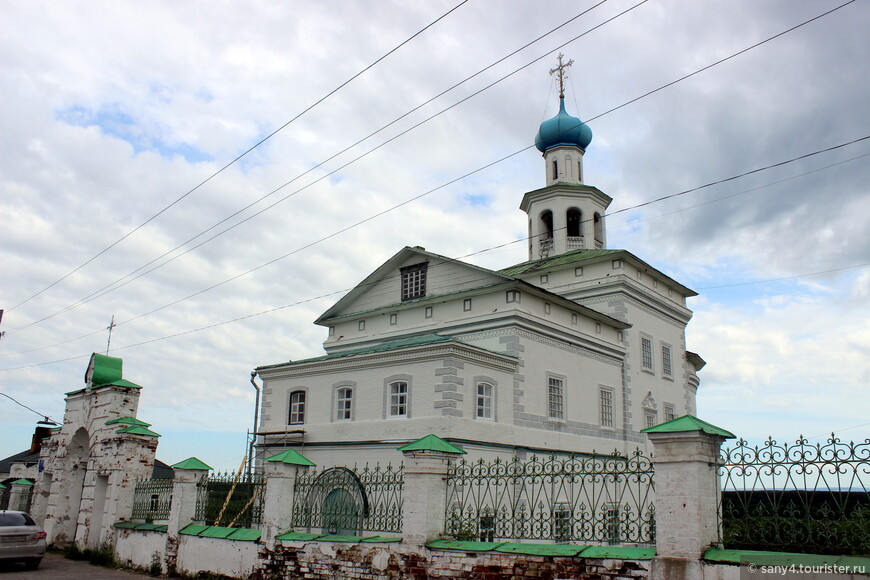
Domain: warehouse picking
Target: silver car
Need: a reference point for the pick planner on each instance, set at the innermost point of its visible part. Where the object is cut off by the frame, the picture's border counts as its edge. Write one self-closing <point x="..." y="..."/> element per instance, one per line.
<point x="21" y="539"/>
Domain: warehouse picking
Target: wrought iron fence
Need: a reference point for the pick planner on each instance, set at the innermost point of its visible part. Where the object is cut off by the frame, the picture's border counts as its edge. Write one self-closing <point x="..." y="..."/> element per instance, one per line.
<point x="802" y="497"/>
<point x="229" y="500"/>
<point x="340" y="500"/>
<point x="4" y="498"/>
<point x="592" y="499"/>
<point x="152" y="499"/>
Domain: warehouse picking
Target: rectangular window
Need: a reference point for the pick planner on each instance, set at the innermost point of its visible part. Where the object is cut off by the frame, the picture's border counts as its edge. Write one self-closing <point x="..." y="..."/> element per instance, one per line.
<point x="578" y="271"/>
<point x="667" y="369"/>
<point x="646" y="353"/>
<point x="466" y="305"/>
<point x="344" y="404"/>
<point x="331" y="331"/>
<point x="484" y="401"/>
<point x="556" y="398"/>
<point x="399" y="399"/>
<point x="428" y="312"/>
<point x="544" y="279"/>
<point x="487" y="528"/>
<point x="670" y="412"/>
<point x="414" y="281"/>
<point x="612" y="523"/>
<point x="546" y="307"/>
<point x="362" y="325"/>
<point x="394" y="318"/>
<point x="573" y="319"/>
<point x="597" y="328"/>
<point x="606" y="400"/>
<point x="616" y="264"/>
<point x="651" y="419"/>
<point x="297" y="408"/>
<point x="512" y="296"/>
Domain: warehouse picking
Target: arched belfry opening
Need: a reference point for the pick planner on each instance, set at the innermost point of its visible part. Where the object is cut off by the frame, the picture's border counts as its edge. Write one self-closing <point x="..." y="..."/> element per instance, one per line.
<point x="598" y="221"/>
<point x="546" y="235"/>
<point x="574" y="229"/>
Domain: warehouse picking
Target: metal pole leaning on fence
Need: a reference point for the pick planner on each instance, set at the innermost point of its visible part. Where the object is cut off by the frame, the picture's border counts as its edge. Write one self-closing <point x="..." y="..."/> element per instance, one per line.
<point x="685" y="457"/>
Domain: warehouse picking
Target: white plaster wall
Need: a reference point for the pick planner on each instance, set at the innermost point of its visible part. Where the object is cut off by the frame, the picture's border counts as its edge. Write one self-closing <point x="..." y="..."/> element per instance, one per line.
<point x="138" y="548"/>
<point x="219" y="556"/>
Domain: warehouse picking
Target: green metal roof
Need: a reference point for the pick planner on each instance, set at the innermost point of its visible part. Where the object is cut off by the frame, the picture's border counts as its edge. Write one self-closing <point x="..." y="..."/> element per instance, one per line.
<point x="190" y="463"/>
<point x="138" y="430"/>
<point x="292" y="457"/>
<point x="572" y="257"/>
<point x="412" y="341"/>
<point x="216" y="532"/>
<point x="118" y="383"/>
<point x="340" y="538"/>
<point x="382" y="540"/>
<point x="688" y="423"/>
<point x="105" y="368"/>
<point x="128" y="421"/>
<point x="431" y="443"/>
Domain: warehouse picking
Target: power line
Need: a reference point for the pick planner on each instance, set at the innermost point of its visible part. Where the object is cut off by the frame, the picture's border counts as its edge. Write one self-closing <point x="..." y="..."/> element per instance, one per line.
<point x="115" y="285"/>
<point x="20" y="404"/>
<point x="243" y="154"/>
<point x="786" y="277"/>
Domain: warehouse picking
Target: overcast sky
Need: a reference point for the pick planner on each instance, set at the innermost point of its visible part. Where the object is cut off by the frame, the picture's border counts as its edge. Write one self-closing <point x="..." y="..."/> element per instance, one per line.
<point x="113" y="111"/>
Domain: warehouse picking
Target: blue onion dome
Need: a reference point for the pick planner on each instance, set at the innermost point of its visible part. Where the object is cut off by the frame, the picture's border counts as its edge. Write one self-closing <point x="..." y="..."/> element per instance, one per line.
<point x="563" y="129"/>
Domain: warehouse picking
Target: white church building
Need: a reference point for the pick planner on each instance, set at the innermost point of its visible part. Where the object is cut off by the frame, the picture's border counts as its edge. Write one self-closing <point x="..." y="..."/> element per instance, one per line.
<point x="575" y="350"/>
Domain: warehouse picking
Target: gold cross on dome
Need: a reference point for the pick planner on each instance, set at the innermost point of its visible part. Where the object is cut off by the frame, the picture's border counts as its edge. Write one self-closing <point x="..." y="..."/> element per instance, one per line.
<point x="560" y="70"/>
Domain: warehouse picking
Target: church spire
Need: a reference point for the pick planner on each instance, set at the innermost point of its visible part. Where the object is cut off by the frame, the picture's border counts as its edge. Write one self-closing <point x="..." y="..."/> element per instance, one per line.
<point x="567" y="214"/>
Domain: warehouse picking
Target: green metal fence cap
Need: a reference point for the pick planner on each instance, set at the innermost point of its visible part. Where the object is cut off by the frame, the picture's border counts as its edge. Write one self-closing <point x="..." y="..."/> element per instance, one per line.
<point x="150" y="527"/>
<point x="297" y="536"/>
<point x="128" y="421"/>
<point x="688" y="423"/>
<point x="619" y="552"/>
<point x="138" y="430"/>
<point x="193" y="529"/>
<point x="130" y="525"/>
<point x="190" y="463"/>
<point x="762" y="558"/>
<point x="463" y="546"/>
<point x="292" y="457"/>
<point x="245" y="535"/>
<point x="540" y="549"/>
<point x="2" y="486"/>
<point x="382" y="540"/>
<point x="340" y="538"/>
<point x="22" y="481"/>
<point x="431" y="443"/>
<point x="216" y="532"/>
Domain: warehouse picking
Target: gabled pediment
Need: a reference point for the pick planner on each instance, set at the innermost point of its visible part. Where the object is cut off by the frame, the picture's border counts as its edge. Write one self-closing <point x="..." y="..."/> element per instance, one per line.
<point x="384" y="286"/>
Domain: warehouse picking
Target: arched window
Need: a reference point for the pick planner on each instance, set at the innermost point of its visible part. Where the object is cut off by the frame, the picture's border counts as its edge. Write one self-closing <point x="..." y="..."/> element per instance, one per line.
<point x="599" y="230"/>
<point x="574" y="218"/>
<point x="297" y="408"/>
<point x="546" y="236"/>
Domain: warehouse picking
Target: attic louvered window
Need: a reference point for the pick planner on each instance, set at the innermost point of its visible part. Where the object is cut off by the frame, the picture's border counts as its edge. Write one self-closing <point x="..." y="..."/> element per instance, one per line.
<point x="414" y="281"/>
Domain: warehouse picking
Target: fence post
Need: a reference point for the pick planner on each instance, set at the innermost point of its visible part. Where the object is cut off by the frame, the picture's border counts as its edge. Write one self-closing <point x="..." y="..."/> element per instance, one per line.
<point x="424" y="498"/>
<point x="182" y="511"/>
<point x="685" y="458"/>
<point x="281" y="471"/>
<point x="19" y="495"/>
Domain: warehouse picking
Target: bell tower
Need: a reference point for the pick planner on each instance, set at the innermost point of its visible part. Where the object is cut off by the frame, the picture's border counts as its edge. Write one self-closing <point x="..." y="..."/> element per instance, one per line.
<point x="566" y="214"/>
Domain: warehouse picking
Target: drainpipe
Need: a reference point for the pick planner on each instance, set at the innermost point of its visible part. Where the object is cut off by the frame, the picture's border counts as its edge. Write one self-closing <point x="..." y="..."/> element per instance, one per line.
<point x="256" y="418"/>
